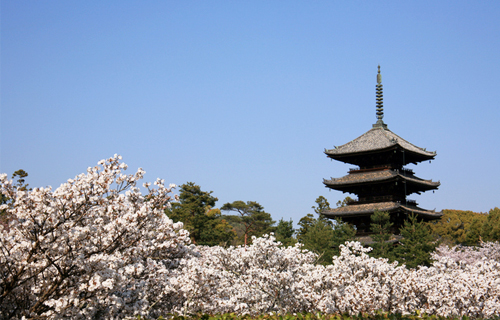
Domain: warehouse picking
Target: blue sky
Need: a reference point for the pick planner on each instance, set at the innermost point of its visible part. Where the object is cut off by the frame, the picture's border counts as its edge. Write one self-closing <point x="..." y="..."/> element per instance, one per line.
<point x="242" y="97"/>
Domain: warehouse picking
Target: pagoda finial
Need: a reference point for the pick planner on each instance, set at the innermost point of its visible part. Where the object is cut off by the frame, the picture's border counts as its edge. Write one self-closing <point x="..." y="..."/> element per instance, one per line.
<point x="380" y="102"/>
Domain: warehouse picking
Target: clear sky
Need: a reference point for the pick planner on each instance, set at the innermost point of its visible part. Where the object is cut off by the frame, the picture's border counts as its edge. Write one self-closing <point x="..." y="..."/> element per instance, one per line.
<point x="242" y="97"/>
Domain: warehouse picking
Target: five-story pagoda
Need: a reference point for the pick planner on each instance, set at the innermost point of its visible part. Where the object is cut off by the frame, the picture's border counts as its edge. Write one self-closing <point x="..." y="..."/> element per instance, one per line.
<point x="380" y="180"/>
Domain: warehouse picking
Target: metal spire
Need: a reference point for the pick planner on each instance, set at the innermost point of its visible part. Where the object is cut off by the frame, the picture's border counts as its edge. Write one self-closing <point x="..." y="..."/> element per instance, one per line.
<point x="380" y="102"/>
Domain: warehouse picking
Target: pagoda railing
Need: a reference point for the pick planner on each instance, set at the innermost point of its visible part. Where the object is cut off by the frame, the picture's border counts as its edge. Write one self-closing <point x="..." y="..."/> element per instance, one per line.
<point x="374" y="199"/>
<point x="406" y="172"/>
<point x="383" y="199"/>
<point x="411" y="202"/>
<point x="355" y="170"/>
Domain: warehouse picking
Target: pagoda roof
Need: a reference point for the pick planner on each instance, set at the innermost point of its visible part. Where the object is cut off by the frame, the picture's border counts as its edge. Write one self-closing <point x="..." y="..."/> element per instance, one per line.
<point x="376" y="139"/>
<point x="378" y="176"/>
<point x="369" y="208"/>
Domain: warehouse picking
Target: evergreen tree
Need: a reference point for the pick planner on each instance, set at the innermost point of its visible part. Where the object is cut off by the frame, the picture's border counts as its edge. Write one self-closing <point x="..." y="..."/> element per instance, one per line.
<point x="195" y="210"/>
<point x="342" y="232"/>
<point x="381" y="227"/>
<point x="322" y="235"/>
<point x="344" y="202"/>
<point x="252" y="217"/>
<point x="416" y="245"/>
<point x="305" y="224"/>
<point x="284" y="233"/>
<point x="21" y="174"/>
<point x="5" y="218"/>
<point x="491" y="227"/>
<point x="323" y="205"/>
<point x="319" y="238"/>
<point x="473" y="236"/>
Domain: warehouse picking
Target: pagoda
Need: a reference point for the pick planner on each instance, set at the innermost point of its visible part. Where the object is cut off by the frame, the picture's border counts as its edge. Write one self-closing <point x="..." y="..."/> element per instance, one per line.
<point x="380" y="180"/>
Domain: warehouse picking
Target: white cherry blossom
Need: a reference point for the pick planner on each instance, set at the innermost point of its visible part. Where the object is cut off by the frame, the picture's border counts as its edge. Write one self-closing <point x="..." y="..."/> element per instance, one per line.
<point x="87" y="249"/>
<point x="96" y="247"/>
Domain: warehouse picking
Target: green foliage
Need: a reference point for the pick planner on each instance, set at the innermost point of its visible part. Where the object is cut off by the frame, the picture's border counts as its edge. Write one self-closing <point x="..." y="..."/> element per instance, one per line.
<point x="323" y="205"/>
<point x="322" y="235"/>
<point x="381" y="226"/>
<point x="491" y="228"/>
<point x="251" y="221"/>
<point x="21" y="185"/>
<point x="320" y="238"/>
<point x="21" y="174"/>
<point x="416" y="245"/>
<point x="467" y="227"/>
<point x="305" y="224"/>
<point x="344" y="202"/>
<point x="473" y="236"/>
<point x="454" y="226"/>
<point x="342" y="232"/>
<point x="194" y="209"/>
<point x="284" y="233"/>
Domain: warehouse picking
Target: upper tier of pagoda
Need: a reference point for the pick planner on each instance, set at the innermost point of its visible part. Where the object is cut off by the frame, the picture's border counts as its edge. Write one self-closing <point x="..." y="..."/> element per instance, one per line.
<point x="385" y="144"/>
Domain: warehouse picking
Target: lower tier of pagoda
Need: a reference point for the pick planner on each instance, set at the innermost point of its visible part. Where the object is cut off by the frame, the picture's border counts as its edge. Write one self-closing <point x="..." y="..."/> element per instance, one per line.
<point x="359" y="214"/>
<point x="369" y="208"/>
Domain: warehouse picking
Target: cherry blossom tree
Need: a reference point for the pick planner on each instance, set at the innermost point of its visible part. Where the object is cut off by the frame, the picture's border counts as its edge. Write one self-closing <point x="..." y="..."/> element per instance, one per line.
<point x="93" y="248"/>
<point x="469" y="254"/>
<point x="265" y="277"/>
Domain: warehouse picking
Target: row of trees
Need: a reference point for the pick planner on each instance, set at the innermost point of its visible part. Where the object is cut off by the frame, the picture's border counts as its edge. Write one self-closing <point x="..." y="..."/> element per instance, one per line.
<point x="208" y="226"/>
<point x="235" y="223"/>
<point x="324" y="237"/>
<point x="467" y="227"/>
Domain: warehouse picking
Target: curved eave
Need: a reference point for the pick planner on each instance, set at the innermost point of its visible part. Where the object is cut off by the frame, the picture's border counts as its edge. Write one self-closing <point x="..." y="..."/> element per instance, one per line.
<point x="357" y="179"/>
<point x="374" y="141"/>
<point x="429" y="214"/>
<point x="413" y="157"/>
<point x="367" y="209"/>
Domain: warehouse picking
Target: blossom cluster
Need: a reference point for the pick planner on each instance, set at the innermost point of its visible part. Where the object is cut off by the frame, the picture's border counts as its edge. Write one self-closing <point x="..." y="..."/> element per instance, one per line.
<point x="93" y="248"/>
<point x="467" y="254"/>
<point x="96" y="247"/>
<point x="265" y="277"/>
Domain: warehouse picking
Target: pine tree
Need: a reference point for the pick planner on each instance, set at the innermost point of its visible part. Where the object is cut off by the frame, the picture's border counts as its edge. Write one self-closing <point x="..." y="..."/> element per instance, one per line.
<point x="5" y="218"/>
<point x="381" y="227"/>
<point x="322" y="205"/>
<point x="319" y="238"/>
<point x="491" y="227"/>
<point x="305" y="223"/>
<point x="284" y="233"/>
<point x="416" y="245"/>
<point x="252" y="218"/>
<point x="322" y="235"/>
<point x="195" y="210"/>
<point x="342" y="232"/>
